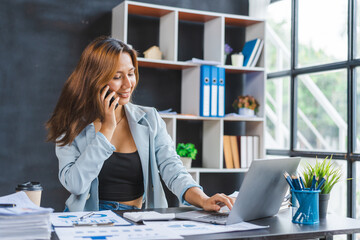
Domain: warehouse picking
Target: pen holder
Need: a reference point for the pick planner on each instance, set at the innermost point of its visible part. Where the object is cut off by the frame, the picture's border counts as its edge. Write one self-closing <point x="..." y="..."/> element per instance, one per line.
<point x="305" y="206"/>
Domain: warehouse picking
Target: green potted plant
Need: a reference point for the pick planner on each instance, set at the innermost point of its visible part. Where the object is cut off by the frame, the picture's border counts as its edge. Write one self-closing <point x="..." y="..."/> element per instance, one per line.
<point x="322" y="169"/>
<point x="246" y="105"/>
<point x="187" y="153"/>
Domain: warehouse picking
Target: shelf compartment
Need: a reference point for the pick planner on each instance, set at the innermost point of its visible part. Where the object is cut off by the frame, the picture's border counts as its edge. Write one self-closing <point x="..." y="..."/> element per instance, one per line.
<point x="147" y="10"/>
<point x="233" y="20"/>
<point x="195" y="16"/>
<point x="156" y="19"/>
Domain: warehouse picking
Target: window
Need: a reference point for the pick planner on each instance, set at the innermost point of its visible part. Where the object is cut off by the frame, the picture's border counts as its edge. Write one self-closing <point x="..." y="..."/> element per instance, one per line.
<point x="321" y="112"/>
<point x="278" y="113"/>
<point x="358" y="28"/>
<point x="321" y="108"/>
<point x="358" y="110"/>
<point x="322" y="33"/>
<point x="278" y="36"/>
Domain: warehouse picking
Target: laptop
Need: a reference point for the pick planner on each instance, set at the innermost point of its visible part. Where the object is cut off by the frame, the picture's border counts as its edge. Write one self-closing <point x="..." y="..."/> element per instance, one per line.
<point x="260" y="195"/>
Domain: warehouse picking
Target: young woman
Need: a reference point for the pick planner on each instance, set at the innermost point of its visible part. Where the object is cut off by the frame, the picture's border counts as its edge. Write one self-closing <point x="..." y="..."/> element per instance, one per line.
<point x="112" y="153"/>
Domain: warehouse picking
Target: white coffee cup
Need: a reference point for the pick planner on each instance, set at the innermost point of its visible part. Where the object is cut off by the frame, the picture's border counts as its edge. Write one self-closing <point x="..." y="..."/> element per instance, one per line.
<point x="33" y="190"/>
<point x="237" y="60"/>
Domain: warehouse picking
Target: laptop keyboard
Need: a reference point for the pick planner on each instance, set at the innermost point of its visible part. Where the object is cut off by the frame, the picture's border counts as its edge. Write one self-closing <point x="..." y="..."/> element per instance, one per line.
<point x="215" y="216"/>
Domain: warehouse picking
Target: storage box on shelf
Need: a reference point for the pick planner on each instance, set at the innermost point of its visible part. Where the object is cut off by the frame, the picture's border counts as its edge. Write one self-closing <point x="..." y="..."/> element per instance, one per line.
<point x="217" y="29"/>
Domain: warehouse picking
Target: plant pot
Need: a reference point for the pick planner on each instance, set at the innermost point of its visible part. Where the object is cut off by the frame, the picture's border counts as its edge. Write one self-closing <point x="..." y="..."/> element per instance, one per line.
<point x="323" y="204"/>
<point x="186" y="162"/>
<point x="246" y="112"/>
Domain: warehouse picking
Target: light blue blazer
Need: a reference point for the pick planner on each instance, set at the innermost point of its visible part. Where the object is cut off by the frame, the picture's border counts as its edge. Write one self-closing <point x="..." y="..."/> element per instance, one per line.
<point x="81" y="161"/>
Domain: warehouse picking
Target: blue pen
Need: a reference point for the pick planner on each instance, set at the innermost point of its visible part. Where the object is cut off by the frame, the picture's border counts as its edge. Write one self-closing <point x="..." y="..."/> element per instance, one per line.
<point x="288" y="179"/>
<point x="302" y="182"/>
<point x="322" y="181"/>
<point x="296" y="183"/>
<point x="313" y="183"/>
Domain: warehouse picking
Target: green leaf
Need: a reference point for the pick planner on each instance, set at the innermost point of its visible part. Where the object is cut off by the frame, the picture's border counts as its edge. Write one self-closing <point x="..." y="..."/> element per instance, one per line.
<point x="321" y="169"/>
<point x="186" y="150"/>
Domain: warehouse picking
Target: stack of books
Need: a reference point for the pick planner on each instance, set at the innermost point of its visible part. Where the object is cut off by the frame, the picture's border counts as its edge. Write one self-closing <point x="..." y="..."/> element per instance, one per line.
<point x="20" y="218"/>
<point x="252" y="51"/>
<point x="240" y="151"/>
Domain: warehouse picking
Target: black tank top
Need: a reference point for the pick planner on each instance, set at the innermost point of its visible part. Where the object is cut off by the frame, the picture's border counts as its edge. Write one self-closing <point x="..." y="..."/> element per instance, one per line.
<point x="121" y="177"/>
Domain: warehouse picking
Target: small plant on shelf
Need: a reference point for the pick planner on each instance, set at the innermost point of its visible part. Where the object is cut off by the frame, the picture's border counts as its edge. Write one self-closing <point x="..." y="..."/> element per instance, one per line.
<point x="187" y="153"/>
<point x="246" y="102"/>
<point x="186" y="150"/>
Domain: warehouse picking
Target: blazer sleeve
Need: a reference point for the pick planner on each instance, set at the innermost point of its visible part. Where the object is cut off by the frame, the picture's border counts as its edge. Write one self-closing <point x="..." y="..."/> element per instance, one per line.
<point x="78" y="169"/>
<point x="172" y="171"/>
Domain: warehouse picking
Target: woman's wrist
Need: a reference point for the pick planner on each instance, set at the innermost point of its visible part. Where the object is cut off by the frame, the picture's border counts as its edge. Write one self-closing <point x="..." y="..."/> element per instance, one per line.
<point x="196" y="197"/>
<point x="204" y="198"/>
<point x="107" y="132"/>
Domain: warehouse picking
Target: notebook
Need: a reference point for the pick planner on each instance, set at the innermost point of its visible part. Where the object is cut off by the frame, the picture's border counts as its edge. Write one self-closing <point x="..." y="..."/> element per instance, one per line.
<point x="260" y="194"/>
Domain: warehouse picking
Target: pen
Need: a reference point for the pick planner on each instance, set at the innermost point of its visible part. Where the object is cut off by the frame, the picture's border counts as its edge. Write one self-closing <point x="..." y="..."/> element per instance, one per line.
<point x="296" y="183"/>
<point x="85" y="216"/>
<point x="93" y="224"/>
<point x="7" y="205"/>
<point x="288" y="179"/>
<point x="302" y="182"/>
<point x="313" y="183"/>
<point x="322" y="181"/>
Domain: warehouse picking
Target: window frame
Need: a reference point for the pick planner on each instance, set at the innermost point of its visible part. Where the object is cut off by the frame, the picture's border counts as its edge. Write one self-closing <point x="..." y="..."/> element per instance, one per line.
<point x="350" y="156"/>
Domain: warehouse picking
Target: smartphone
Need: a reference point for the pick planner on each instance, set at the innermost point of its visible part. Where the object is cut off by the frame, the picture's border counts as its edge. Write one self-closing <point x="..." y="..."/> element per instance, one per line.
<point x="112" y="99"/>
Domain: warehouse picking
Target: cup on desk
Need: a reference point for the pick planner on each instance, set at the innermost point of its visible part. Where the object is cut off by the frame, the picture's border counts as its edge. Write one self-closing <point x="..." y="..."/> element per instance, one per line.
<point x="305" y="206"/>
<point x="33" y="190"/>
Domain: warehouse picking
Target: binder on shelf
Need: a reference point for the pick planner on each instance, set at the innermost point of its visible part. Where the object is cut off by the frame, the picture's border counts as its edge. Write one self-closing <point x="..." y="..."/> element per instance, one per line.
<point x="234" y="151"/>
<point x="238" y="141"/>
<point x="243" y="152"/>
<point x="249" y="150"/>
<point x="249" y="51"/>
<point x="214" y="91"/>
<point x="256" y="147"/>
<point x="221" y="92"/>
<point x="257" y="54"/>
<point x="227" y="152"/>
<point x="205" y="90"/>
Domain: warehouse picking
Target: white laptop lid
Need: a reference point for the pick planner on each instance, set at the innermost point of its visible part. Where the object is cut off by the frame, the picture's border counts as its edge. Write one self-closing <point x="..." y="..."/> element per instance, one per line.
<point x="263" y="189"/>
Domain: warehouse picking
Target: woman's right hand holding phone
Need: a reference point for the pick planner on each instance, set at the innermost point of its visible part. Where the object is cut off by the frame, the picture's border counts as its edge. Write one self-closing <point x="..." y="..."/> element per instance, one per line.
<point x="108" y="125"/>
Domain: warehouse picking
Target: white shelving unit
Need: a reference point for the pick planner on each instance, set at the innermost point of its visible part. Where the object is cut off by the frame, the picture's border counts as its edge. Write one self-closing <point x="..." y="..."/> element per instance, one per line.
<point x="215" y="26"/>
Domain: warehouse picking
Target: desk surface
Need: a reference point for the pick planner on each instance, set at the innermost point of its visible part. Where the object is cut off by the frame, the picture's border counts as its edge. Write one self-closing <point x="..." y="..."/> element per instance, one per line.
<point x="281" y="227"/>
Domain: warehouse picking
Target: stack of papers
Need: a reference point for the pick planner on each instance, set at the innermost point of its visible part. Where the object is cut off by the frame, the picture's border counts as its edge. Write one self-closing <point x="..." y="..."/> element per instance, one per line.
<point x="25" y="221"/>
<point x="148" y="216"/>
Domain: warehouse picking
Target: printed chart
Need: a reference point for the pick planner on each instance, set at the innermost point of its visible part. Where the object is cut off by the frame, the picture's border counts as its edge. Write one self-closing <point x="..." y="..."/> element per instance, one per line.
<point x="185" y="228"/>
<point x="69" y="219"/>
<point x="139" y="232"/>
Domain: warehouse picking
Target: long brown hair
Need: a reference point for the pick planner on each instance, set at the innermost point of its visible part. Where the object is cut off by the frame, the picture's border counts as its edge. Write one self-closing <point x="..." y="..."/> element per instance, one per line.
<point x="80" y="103"/>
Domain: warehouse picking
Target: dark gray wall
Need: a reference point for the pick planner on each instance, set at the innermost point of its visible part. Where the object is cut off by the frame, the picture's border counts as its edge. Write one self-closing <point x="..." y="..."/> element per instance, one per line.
<point x="40" y="44"/>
